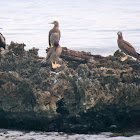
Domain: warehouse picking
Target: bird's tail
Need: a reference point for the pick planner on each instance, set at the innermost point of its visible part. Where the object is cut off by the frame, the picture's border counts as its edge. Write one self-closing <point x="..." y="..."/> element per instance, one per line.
<point x="138" y="56"/>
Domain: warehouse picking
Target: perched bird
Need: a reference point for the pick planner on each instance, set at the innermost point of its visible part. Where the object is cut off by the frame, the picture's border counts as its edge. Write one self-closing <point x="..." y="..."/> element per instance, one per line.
<point x="2" y="41"/>
<point x="126" y="47"/>
<point x="54" y="33"/>
<point x="54" y="54"/>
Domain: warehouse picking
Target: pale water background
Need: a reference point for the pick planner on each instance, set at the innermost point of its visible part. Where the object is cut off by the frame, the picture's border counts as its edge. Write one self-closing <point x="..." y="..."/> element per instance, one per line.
<point x="19" y="135"/>
<point x="87" y="25"/>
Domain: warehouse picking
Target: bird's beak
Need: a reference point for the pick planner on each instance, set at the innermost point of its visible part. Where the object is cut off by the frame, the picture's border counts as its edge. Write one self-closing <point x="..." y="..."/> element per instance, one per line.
<point x="51" y="22"/>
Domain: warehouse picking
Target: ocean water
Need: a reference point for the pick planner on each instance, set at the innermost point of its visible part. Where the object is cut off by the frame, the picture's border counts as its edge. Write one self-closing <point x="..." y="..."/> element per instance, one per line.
<point x="19" y="135"/>
<point x="87" y="25"/>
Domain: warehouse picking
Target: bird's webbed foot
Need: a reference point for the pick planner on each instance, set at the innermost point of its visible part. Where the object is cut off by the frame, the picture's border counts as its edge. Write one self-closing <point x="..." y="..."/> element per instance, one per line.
<point x="51" y="45"/>
<point x="124" y="58"/>
<point x="54" y="65"/>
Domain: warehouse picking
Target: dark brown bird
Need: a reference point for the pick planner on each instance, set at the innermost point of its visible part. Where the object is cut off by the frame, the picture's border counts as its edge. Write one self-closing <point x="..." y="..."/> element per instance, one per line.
<point x="54" y="33"/>
<point x="54" y="54"/>
<point x="126" y="47"/>
<point x="2" y="41"/>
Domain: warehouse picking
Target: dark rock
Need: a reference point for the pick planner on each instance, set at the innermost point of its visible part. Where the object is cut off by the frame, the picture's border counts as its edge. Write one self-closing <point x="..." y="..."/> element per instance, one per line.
<point x="87" y="93"/>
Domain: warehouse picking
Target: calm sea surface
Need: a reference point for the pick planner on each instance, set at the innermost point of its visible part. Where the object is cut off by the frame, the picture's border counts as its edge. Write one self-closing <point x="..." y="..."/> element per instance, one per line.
<point x="88" y="25"/>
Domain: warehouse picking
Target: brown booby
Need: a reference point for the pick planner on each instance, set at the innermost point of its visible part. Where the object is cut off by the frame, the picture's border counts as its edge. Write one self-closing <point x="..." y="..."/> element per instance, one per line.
<point x="2" y="41"/>
<point x="126" y="47"/>
<point x="53" y="55"/>
<point x="54" y="33"/>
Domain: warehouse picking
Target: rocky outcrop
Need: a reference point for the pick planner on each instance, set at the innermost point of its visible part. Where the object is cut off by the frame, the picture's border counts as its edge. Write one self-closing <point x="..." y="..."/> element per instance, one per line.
<point x="98" y="94"/>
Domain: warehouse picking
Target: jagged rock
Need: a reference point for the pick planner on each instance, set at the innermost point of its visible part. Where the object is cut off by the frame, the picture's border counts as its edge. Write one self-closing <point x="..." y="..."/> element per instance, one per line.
<point x="87" y="93"/>
<point x="76" y="57"/>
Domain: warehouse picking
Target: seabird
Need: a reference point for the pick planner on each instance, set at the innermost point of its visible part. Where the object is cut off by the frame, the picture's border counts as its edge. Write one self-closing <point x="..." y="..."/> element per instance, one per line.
<point x="54" y="33"/>
<point x="2" y="41"/>
<point x="53" y="55"/>
<point x="126" y="47"/>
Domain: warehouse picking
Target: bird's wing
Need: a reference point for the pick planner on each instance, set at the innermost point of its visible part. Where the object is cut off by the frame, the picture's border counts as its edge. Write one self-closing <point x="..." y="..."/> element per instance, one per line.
<point x="2" y="41"/>
<point x="59" y="34"/>
<point x="50" y="32"/>
<point x="59" y="51"/>
<point x="49" y="53"/>
<point x="2" y="37"/>
<point x="129" y="46"/>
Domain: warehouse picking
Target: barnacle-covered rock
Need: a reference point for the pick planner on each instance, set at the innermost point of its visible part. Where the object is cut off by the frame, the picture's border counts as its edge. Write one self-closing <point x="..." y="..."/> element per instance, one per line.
<point x="86" y="94"/>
